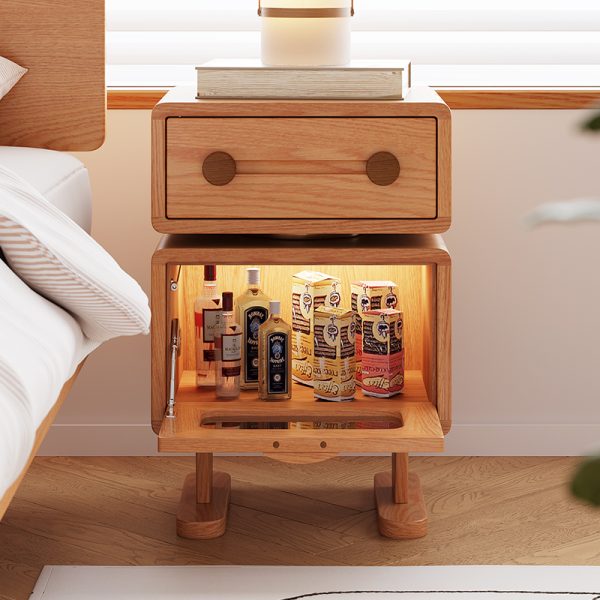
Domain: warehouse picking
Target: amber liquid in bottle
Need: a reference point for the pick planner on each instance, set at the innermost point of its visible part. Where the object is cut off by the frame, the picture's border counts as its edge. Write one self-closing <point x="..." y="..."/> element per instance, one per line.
<point x="228" y="351"/>
<point x="207" y="308"/>
<point x="275" y="357"/>
<point x="252" y="312"/>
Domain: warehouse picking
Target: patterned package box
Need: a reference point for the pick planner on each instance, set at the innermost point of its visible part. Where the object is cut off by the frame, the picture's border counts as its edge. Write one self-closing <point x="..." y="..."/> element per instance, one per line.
<point x="310" y="291"/>
<point x="383" y="353"/>
<point x="334" y="350"/>
<point x="370" y="295"/>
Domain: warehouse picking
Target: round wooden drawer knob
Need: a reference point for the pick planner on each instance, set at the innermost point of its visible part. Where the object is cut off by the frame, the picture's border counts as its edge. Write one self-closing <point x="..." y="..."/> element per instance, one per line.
<point x="219" y="168"/>
<point x="383" y="168"/>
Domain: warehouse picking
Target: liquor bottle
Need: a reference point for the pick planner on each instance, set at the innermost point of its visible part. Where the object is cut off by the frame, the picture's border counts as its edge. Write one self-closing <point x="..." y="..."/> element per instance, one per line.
<point x="207" y="308"/>
<point x="252" y="312"/>
<point x="275" y="357"/>
<point x="228" y="351"/>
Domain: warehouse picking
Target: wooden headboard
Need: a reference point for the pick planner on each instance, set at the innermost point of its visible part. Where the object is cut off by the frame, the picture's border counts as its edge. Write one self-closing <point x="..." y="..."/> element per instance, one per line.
<point x="61" y="102"/>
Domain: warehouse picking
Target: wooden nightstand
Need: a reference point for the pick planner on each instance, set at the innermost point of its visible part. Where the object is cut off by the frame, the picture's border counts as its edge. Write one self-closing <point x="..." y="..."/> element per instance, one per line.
<point x="273" y="162"/>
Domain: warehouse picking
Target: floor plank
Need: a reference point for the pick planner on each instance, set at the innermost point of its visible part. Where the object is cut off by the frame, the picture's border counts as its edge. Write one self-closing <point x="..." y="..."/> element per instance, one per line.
<point x="127" y="506"/>
<point x="121" y="511"/>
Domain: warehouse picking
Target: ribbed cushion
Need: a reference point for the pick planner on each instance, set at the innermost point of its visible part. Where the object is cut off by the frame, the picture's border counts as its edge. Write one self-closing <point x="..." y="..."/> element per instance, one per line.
<point x="10" y="73"/>
<point x="60" y="261"/>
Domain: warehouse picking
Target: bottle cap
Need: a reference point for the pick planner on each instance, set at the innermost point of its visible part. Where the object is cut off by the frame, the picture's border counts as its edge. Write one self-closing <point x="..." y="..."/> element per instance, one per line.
<point x="275" y="307"/>
<point x="253" y="276"/>
<point x="227" y="301"/>
<point x="210" y="272"/>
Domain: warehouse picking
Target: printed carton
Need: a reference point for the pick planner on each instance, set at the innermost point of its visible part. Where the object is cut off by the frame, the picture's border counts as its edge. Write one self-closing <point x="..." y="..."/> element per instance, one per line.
<point x="370" y="295"/>
<point x="310" y="290"/>
<point x="383" y="353"/>
<point x="335" y="345"/>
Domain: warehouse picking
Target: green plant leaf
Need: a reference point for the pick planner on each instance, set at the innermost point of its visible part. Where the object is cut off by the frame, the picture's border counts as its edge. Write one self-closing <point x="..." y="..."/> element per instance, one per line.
<point x="592" y="124"/>
<point x="586" y="483"/>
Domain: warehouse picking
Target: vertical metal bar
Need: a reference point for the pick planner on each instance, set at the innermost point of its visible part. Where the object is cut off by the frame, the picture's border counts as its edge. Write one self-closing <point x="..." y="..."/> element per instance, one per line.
<point x="175" y="345"/>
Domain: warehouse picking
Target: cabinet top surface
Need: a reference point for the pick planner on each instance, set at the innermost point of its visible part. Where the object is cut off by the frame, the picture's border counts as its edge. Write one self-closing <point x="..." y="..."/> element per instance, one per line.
<point x="421" y="101"/>
<point x="372" y="249"/>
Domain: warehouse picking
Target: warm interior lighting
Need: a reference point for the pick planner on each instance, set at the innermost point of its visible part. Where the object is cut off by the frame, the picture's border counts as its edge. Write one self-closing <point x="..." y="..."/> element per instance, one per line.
<point x="276" y="281"/>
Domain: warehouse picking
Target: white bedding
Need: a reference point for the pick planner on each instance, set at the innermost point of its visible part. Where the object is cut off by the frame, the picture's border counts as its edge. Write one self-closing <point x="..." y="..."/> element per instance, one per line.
<point x="40" y="343"/>
<point x="40" y="348"/>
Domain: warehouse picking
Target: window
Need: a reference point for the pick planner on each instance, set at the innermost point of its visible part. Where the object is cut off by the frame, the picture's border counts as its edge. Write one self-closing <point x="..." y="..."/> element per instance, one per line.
<point x="451" y="42"/>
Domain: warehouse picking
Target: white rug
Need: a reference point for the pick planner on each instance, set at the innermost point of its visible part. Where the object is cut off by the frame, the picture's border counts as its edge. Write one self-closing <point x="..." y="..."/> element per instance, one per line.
<point x="318" y="583"/>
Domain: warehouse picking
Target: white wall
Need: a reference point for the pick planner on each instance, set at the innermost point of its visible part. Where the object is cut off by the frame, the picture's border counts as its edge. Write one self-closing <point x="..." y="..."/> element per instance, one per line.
<point x="526" y="304"/>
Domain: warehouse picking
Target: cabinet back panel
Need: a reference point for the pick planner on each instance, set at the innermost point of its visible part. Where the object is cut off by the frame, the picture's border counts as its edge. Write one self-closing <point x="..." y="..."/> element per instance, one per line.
<point x="276" y="281"/>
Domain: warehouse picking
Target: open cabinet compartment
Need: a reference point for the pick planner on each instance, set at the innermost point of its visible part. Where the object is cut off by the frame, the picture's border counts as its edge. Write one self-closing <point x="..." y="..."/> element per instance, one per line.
<point x="413" y="421"/>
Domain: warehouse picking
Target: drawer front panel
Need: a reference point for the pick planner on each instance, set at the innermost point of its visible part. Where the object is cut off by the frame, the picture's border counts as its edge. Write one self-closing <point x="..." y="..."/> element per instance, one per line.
<point x="299" y="168"/>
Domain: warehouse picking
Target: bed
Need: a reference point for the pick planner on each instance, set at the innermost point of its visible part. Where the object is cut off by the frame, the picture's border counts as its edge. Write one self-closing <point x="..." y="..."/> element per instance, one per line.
<point x="58" y="106"/>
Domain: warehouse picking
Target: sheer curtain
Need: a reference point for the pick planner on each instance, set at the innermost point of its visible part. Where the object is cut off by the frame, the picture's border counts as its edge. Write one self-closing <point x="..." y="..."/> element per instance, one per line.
<point x="451" y="42"/>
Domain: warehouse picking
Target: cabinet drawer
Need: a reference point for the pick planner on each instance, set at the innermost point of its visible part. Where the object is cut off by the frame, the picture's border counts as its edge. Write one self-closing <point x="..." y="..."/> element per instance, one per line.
<point x="301" y="168"/>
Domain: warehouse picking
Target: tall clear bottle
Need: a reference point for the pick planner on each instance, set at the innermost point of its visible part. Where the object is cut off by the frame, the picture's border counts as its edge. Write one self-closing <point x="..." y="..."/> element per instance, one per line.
<point x="229" y="351"/>
<point x="207" y="308"/>
<point x="252" y="312"/>
<point x="275" y="357"/>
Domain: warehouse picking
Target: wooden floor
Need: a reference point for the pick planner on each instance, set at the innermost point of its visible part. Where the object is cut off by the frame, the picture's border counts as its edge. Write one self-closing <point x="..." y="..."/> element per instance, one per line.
<point x="120" y="511"/>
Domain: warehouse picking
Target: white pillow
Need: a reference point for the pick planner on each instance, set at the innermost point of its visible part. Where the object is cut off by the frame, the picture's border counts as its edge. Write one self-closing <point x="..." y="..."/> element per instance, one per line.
<point x="10" y="73"/>
<point x="60" y="261"/>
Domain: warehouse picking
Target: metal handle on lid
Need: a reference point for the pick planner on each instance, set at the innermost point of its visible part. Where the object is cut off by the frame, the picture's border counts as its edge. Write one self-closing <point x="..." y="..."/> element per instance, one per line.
<point x="305" y="11"/>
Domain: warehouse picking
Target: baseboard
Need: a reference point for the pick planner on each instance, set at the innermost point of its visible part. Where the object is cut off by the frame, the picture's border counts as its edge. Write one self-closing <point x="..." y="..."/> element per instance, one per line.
<point x="99" y="440"/>
<point x="463" y="440"/>
<point x="523" y="440"/>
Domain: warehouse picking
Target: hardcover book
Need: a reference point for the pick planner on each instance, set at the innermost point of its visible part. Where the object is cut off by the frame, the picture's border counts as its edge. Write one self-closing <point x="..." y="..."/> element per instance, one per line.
<point x="359" y="80"/>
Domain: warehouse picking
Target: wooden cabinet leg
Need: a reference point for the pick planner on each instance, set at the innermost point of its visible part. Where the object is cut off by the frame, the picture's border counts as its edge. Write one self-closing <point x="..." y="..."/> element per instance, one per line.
<point x="204" y="478"/>
<point x="202" y="512"/>
<point x="400" y="477"/>
<point x="401" y="512"/>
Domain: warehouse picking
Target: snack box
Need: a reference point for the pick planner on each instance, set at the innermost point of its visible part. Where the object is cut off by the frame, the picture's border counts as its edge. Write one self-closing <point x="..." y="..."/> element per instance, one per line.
<point x="334" y="363"/>
<point x="310" y="291"/>
<point x="370" y="295"/>
<point x="383" y="353"/>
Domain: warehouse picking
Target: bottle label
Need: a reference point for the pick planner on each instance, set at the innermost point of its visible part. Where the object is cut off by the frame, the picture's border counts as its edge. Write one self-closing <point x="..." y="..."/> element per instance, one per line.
<point x="254" y="317"/>
<point x="277" y="363"/>
<point x="210" y="322"/>
<point x="231" y="349"/>
<point x="231" y="371"/>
